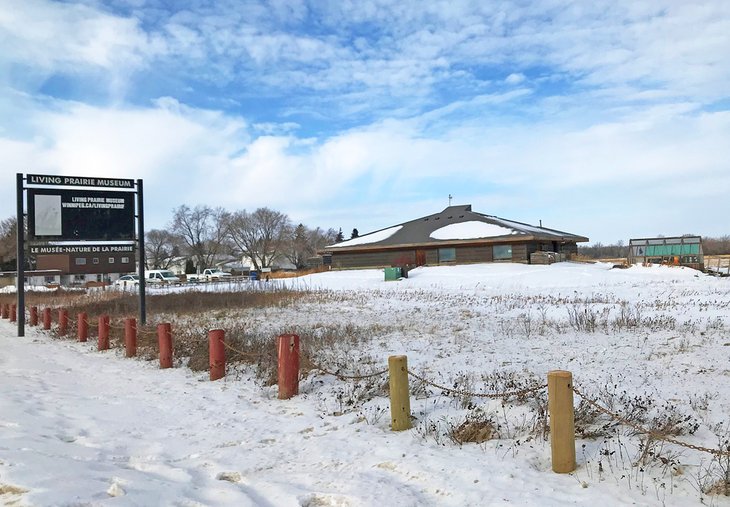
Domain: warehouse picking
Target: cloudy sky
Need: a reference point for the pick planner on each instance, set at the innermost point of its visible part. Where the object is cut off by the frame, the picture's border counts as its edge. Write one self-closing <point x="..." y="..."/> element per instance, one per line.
<point x="609" y="119"/>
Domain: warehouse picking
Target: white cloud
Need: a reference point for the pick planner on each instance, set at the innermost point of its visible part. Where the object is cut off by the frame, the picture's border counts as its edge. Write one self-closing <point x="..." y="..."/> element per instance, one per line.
<point x="53" y="37"/>
<point x="515" y="78"/>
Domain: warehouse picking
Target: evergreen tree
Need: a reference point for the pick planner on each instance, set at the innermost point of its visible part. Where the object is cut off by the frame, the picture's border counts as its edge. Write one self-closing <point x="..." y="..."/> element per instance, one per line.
<point x="355" y="234"/>
<point x="340" y="237"/>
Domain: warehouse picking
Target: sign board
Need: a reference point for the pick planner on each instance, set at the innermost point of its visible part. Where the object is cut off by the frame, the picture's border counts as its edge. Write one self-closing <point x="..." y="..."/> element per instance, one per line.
<point x="80" y="249"/>
<point x="71" y="215"/>
<point x="78" y="181"/>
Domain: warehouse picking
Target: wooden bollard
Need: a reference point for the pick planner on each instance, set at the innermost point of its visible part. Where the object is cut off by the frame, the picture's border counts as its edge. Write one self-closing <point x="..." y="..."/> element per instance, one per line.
<point x="82" y="327"/>
<point x="103" y="332"/>
<point x="400" y="401"/>
<point x="130" y="337"/>
<point x="62" y="322"/>
<point x="562" y="423"/>
<point x="33" y="316"/>
<point x="164" y="339"/>
<point x="288" y="354"/>
<point x="13" y="313"/>
<point x="217" y="353"/>
<point x="47" y="319"/>
<point x="5" y="311"/>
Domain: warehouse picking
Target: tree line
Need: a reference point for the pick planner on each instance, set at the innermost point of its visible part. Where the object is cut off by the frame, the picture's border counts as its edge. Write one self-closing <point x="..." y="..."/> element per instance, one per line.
<point x="205" y="235"/>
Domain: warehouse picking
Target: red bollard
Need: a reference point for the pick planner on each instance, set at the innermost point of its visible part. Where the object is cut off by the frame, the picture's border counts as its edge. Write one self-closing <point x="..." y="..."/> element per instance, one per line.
<point x="288" y="353"/>
<point x="130" y="336"/>
<point x="33" y="315"/>
<point x="82" y="327"/>
<point x="5" y="311"/>
<point x="104" y="332"/>
<point x="13" y="313"/>
<point x="62" y="322"/>
<point x="217" y="353"/>
<point x="47" y="319"/>
<point x="164" y="339"/>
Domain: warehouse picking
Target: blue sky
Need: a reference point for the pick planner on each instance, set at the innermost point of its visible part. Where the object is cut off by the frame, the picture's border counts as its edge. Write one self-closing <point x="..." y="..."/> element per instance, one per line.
<point x="609" y="119"/>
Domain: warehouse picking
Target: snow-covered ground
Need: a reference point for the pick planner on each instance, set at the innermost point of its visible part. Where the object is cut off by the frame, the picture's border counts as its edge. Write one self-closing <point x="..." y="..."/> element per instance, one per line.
<point x="81" y="427"/>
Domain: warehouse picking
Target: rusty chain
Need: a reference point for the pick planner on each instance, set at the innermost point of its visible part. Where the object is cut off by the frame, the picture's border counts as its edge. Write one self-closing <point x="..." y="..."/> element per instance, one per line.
<point x="652" y="434"/>
<point x="460" y="392"/>
<point x="240" y="352"/>
<point x="313" y="366"/>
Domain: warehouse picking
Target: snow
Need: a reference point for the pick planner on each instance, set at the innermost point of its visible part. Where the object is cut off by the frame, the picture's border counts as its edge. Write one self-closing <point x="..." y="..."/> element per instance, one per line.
<point x="373" y="237"/>
<point x="471" y="230"/>
<point x="82" y="427"/>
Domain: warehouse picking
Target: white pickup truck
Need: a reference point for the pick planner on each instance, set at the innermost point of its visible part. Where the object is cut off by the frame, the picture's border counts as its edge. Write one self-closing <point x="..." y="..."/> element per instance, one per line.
<point x="209" y="275"/>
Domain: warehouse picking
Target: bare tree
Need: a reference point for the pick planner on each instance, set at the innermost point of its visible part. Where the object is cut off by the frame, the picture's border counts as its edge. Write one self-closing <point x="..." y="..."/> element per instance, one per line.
<point x="203" y="230"/>
<point x="261" y="235"/>
<point x="161" y="247"/>
<point x="8" y="243"/>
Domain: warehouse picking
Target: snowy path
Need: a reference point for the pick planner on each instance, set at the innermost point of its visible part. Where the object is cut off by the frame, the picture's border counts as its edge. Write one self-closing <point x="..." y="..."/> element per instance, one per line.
<point x="78" y="427"/>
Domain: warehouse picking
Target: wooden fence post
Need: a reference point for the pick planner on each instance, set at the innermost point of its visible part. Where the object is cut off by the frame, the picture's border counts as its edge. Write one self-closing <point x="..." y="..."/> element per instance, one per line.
<point x="33" y="315"/>
<point x="62" y="322"/>
<point x="217" y="353"/>
<point x="164" y="340"/>
<point x="400" y="402"/>
<point x="5" y="311"/>
<point x="288" y="355"/>
<point x="47" y="319"/>
<point x="13" y="313"/>
<point x="130" y="336"/>
<point x="82" y="327"/>
<point x="562" y="423"/>
<point x="104" y="326"/>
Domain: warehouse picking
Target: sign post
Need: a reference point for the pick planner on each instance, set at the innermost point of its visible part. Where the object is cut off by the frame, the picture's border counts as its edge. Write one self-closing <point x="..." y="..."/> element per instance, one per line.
<point x="20" y="259"/>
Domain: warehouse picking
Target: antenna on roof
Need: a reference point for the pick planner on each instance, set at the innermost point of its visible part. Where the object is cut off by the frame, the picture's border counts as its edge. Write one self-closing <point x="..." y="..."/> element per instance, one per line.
<point x="450" y="197"/>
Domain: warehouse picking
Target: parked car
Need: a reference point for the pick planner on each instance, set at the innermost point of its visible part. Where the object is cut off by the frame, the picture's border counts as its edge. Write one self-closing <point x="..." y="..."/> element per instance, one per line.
<point x="127" y="281"/>
<point x="161" y="276"/>
<point x="209" y="275"/>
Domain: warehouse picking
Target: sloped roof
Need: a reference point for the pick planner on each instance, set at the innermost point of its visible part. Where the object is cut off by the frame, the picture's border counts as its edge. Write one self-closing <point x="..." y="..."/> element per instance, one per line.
<point x="454" y="225"/>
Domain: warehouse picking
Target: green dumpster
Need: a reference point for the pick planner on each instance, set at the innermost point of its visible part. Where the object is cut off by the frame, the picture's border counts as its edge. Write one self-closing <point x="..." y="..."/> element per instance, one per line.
<point x="392" y="274"/>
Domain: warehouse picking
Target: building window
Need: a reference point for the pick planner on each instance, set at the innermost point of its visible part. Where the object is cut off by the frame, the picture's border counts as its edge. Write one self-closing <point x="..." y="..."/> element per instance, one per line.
<point x="80" y="261"/>
<point x="447" y="254"/>
<point x="95" y="260"/>
<point x="502" y="252"/>
<point x="111" y="260"/>
<point x="49" y="279"/>
<point x="125" y="260"/>
<point x="79" y="278"/>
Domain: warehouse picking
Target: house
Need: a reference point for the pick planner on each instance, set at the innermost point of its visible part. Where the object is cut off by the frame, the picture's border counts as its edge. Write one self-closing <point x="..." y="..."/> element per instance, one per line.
<point x="84" y="267"/>
<point x="457" y="235"/>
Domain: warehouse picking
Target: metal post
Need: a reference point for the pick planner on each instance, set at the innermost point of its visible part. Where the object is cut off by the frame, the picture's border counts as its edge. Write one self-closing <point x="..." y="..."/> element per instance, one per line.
<point x="140" y="248"/>
<point x="20" y="232"/>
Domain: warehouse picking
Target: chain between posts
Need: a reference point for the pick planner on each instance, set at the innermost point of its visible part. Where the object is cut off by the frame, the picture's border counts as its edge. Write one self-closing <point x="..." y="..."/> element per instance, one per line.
<point x="652" y="434"/>
<point x="459" y="392"/>
<point x="240" y="352"/>
<point x="313" y="366"/>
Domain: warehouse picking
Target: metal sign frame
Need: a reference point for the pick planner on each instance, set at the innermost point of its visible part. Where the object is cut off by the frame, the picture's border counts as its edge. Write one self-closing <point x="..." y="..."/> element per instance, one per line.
<point x="98" y="188"/>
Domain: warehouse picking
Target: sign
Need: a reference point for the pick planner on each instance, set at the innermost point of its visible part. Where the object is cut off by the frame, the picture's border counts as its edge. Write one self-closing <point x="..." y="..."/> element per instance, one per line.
<point x="80" y="249"/>
<point x="70" y="215"/>
<point x="78" y="181"/>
